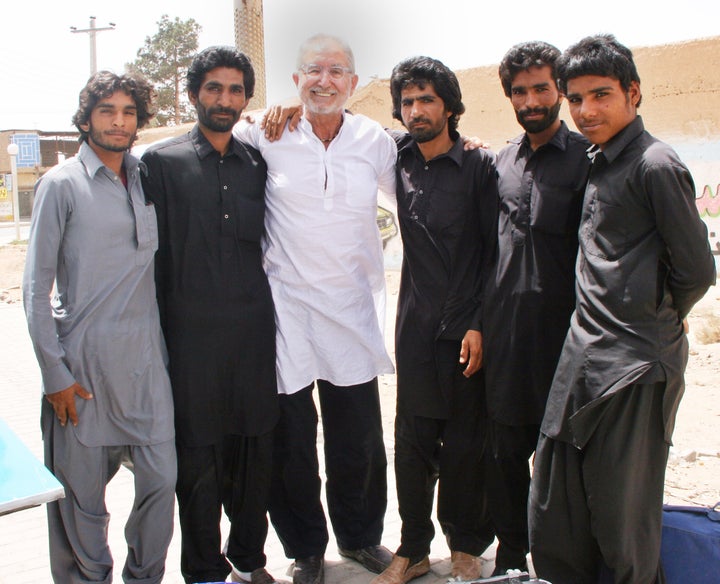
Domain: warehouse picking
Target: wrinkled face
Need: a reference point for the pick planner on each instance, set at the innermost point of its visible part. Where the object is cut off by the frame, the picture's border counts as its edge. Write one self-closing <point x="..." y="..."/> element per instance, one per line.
<point x="325" y="80"/>
<point x="220" y="99"/>
<point x="113" y="123"/>
<point x="535" y="98"/>
<point x="600" y="107"/>
<point x="423" y="112"/>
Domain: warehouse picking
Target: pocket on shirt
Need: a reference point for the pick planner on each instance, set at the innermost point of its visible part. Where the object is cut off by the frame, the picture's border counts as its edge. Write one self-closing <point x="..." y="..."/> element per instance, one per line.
<point x="146" y="231"/>
<point x="447" y="211"/>
<point x="358" y="182"/>
<point x="250" y="220"/>
<point x="604" y="234"/>
<point x="552" y="207"/>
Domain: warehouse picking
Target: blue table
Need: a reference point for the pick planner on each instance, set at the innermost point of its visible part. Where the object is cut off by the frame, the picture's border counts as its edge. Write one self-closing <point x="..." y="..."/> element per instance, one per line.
<point x="24" y="480"/>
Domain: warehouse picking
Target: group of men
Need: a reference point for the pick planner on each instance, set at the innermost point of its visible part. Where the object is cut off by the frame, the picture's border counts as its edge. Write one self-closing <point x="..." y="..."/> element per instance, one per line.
<point x="269" y="281"/>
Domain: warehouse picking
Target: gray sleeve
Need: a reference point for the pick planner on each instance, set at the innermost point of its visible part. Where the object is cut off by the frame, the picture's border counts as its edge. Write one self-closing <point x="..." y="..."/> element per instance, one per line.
<point x="44" y="247"/>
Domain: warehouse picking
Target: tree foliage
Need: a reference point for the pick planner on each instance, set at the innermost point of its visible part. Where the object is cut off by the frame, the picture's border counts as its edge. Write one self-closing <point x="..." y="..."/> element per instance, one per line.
<point x="164" y="59"/>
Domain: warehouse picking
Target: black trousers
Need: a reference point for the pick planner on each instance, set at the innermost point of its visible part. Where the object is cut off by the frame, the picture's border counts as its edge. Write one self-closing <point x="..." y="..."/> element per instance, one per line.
<point x="234" y="476"/>
<point x="602" y="505"/>
<point x="507" y="482"/>
<point x="448" y="452"/>
<point x="355" y="466"/>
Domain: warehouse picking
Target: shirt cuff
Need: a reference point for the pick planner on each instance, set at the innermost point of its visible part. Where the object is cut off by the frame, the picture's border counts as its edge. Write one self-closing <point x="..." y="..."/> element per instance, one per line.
<point x="57" y="378"/>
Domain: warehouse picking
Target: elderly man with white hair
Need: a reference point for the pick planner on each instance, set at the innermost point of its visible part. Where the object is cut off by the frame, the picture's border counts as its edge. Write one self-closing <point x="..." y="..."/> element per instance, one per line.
<point x="323" y="257"/>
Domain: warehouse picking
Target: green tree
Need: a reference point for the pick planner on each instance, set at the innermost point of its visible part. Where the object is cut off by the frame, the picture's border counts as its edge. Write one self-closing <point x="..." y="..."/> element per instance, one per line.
<point x="164" y="59"/>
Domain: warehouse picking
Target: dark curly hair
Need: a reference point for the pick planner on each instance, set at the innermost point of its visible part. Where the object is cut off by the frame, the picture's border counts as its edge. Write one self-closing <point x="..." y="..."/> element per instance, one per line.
<point x="600" y="55"/>
<point x="424" y="70"/>
<point x="523" y="56"/>
<point x="220" y="56"/>
<point x="103" y="84"/>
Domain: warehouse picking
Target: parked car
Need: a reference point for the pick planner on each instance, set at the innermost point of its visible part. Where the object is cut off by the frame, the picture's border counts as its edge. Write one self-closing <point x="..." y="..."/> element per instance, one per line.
<point x="386" y="225"/>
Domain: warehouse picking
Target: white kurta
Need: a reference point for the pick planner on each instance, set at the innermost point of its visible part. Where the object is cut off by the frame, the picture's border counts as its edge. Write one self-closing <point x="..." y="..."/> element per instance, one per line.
<point x="323" y="253"/>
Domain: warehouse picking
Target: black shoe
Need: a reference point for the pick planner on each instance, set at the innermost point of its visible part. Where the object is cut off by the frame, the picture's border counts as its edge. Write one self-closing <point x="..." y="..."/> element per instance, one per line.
<point x="309" y="570"/>
<point x="374" y="558"/>
<point x="502" y="570"/>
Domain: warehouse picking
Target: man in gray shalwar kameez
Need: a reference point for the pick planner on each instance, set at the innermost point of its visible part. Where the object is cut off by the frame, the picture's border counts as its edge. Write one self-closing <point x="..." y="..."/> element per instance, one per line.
<point x="90" y="301"/>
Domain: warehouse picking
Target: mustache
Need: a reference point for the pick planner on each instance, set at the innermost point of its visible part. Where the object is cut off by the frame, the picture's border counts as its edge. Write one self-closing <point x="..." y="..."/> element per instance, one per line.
<point x="222" y="110"/>
<point x="535" y="110"/>
<point x="122" y="133"/>
<point x="420" y="120"/>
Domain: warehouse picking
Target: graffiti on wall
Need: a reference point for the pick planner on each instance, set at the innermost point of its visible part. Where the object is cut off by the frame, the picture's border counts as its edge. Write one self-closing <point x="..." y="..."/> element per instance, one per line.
<point x="708" y="204"/>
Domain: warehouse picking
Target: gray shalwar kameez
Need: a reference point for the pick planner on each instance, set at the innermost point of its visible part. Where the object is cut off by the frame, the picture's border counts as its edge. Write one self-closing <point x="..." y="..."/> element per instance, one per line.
<point x="90" y="302"/>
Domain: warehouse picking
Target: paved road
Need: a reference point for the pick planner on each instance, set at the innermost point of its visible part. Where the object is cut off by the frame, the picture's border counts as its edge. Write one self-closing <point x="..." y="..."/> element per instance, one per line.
<point x="8" y="232"/>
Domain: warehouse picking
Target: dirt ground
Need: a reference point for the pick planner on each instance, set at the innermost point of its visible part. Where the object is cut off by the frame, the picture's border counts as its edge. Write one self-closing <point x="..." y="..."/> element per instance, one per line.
<point x="693" y="473"/>
<point x="12" y="263"/>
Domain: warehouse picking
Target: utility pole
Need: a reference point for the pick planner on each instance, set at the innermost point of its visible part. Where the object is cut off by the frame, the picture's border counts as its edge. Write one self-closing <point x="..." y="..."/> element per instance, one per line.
<point x="92" y="31"/>
<point x="13" y="150"/>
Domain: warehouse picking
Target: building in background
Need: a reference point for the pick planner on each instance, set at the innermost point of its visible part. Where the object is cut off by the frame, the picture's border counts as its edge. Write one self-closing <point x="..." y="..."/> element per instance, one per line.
<point x="250" y="39"/>
<point x="38" y="152"/>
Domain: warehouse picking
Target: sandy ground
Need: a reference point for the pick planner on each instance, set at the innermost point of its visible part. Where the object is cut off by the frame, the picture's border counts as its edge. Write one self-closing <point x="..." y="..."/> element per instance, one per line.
<point x="12" y="263"/>
<point x="693" y="474"/>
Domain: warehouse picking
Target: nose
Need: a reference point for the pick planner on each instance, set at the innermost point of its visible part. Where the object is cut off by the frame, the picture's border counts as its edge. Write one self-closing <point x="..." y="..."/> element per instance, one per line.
<point x="531" y="100"/>
<point x="415" y="110"/>
<point x="324" y="78"/>
<point x="224" y="98"/>
<point x="118" y="119"/>
<point x="586" y="109"/>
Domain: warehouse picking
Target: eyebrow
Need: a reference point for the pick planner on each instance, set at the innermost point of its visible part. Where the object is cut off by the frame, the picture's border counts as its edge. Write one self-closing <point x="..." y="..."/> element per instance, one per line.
<point x="593" y="90"/>
<point x="328" y="66"/>
<point x="107" y="104"/>
<point x="214" y="83"/>
<point x="421" y="96"/>
<point x="533" y="86"/>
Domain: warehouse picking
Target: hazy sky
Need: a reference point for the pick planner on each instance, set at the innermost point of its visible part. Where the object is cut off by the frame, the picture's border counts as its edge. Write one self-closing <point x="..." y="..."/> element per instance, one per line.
<point x="43" y="65"/>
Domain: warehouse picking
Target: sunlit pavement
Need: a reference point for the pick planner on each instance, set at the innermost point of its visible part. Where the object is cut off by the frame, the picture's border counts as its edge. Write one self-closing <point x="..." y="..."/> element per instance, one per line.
<point x="8" y="231"/>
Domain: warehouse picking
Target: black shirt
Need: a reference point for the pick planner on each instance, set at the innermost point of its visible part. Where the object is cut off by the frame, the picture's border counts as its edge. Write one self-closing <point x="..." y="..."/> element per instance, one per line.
<point x="531" y="290"/>
<point x="215" y="301"/>
<point x="644" y="261"/>
<point x="447" y="209"/>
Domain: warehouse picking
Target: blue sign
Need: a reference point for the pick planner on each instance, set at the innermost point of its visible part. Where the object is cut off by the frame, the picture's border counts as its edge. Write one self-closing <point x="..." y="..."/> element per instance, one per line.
<point x="29" y="149"/>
